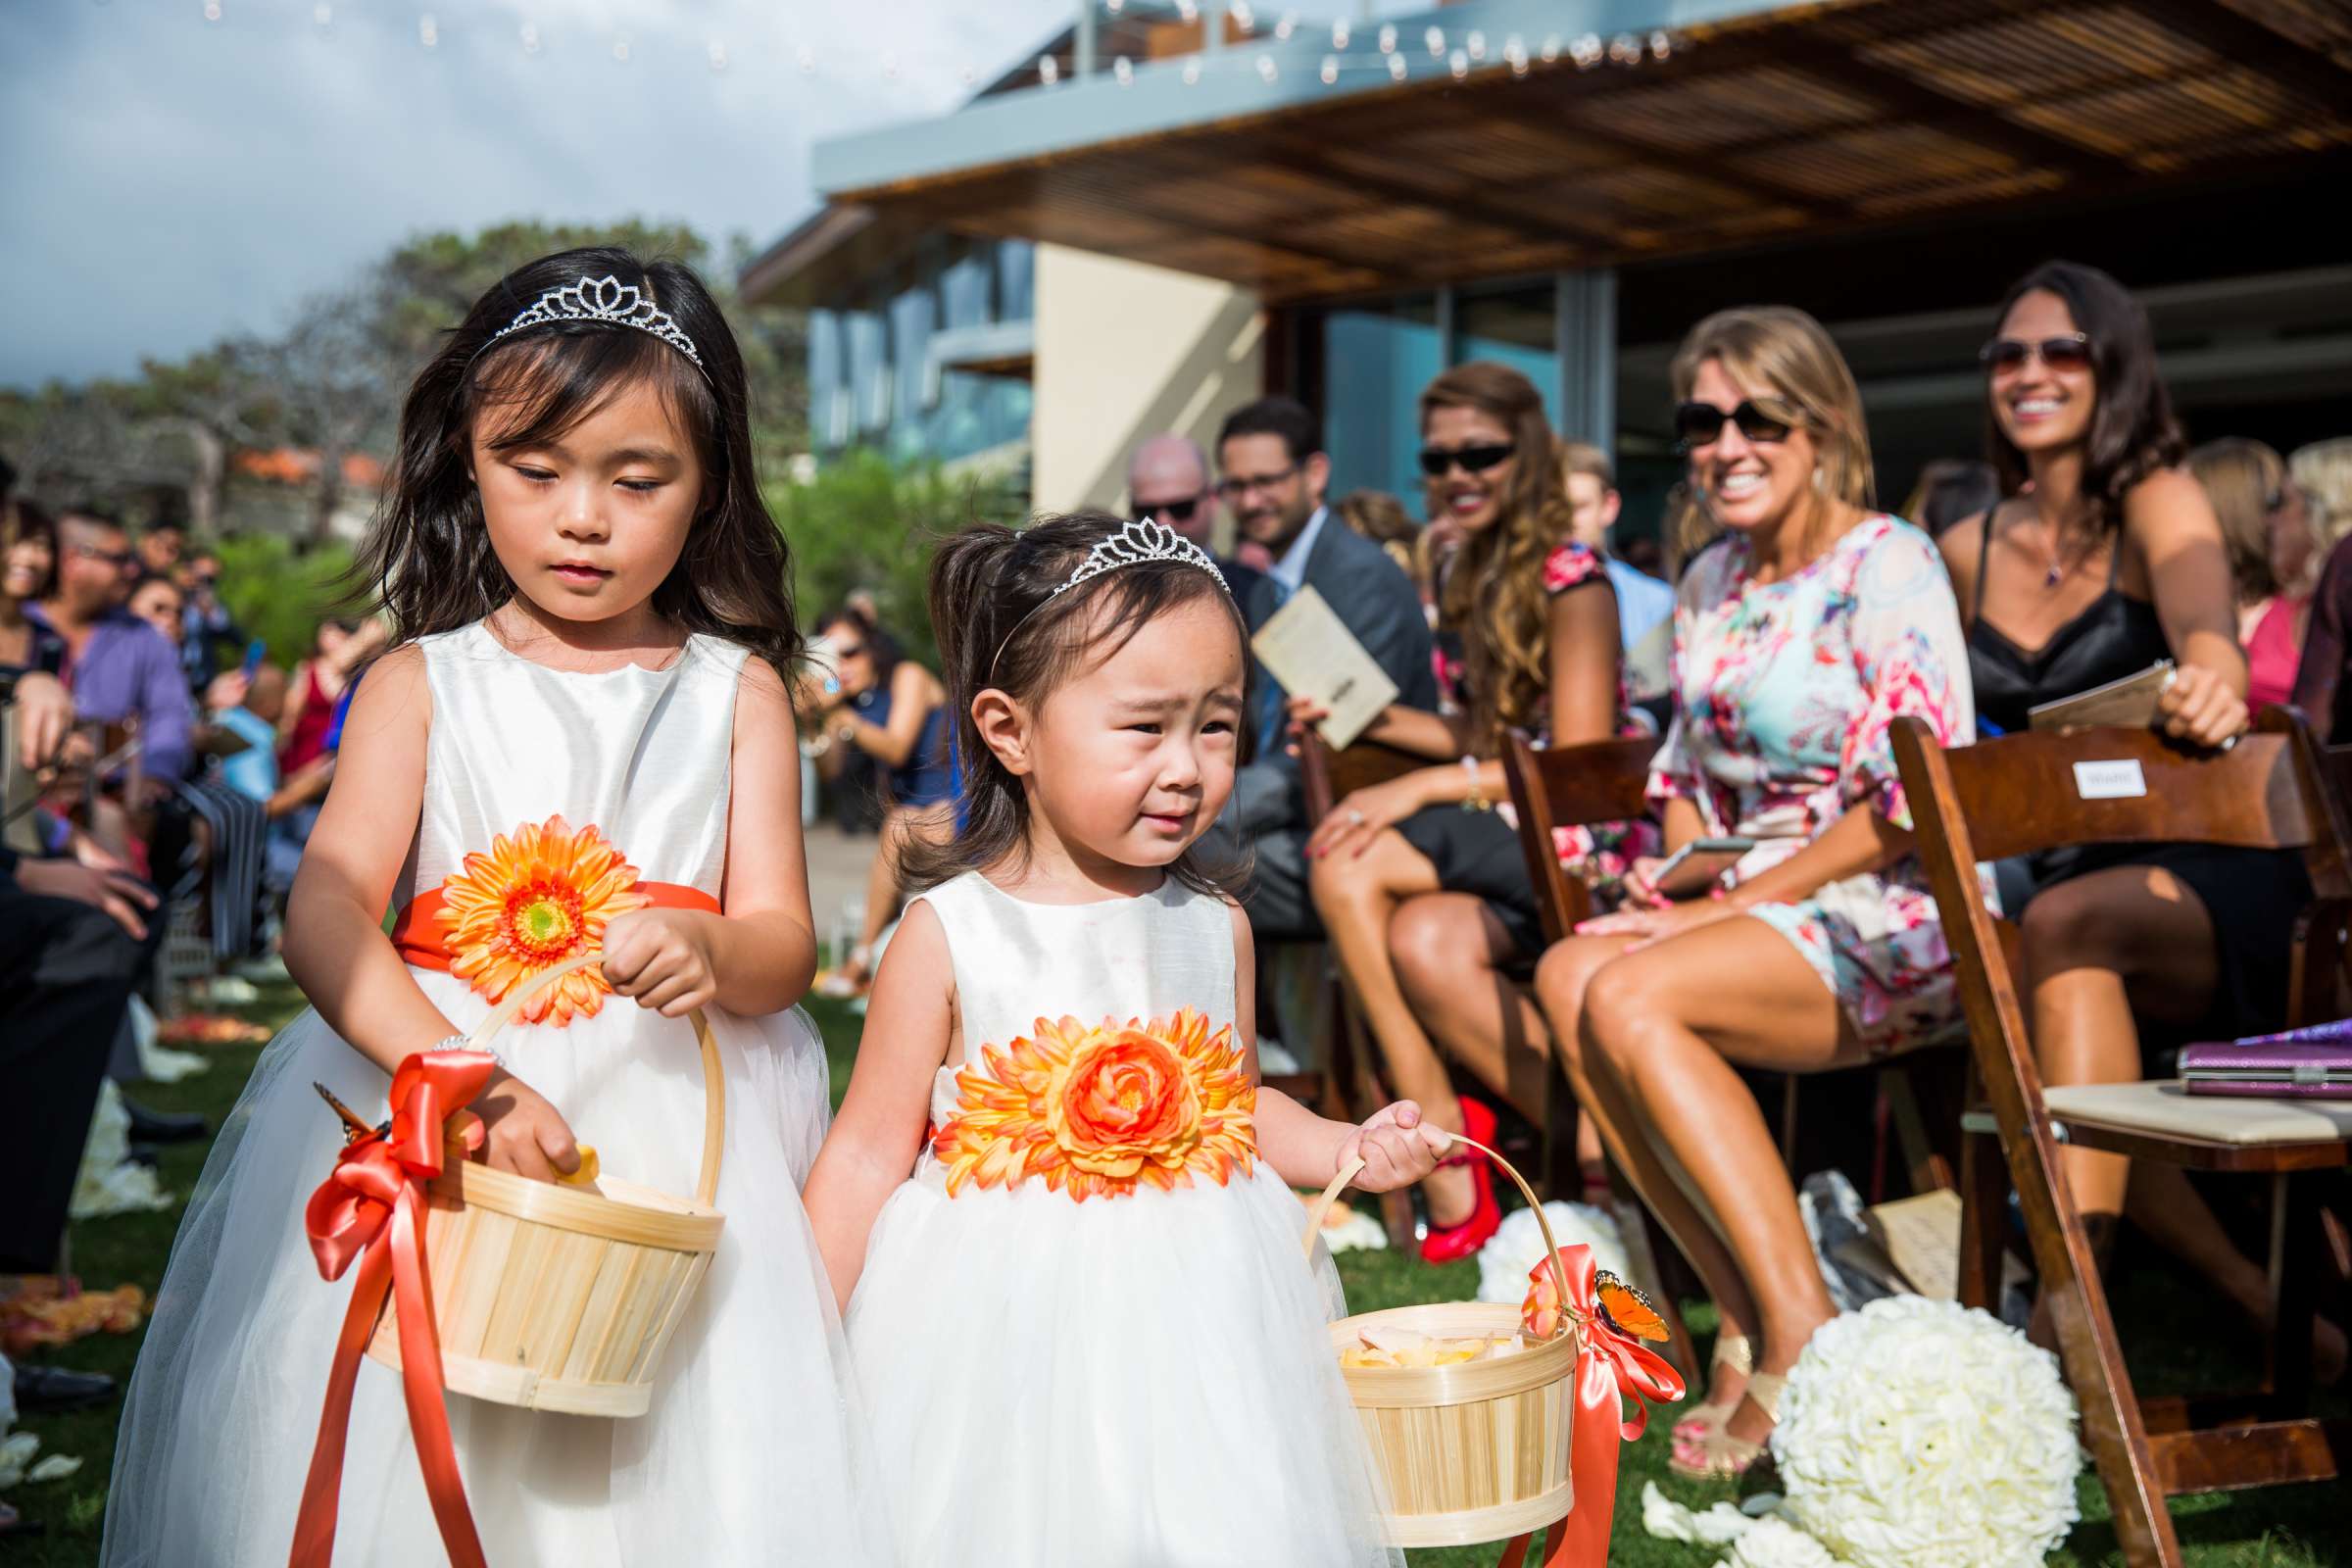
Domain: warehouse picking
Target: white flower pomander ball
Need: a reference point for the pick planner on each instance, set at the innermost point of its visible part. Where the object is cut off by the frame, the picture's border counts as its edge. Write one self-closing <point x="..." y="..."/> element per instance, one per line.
<point x="1917" y="1430"/>
<point x="1772" y="1543"/>
<point x="1517" y="1246"/>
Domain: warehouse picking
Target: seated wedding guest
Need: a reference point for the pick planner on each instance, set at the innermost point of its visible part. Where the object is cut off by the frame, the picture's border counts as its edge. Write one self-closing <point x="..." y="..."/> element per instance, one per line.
<point x="211" y="640"/>
<point x="1382" y="518"/>
<point x="159" y="603"/>
<point x="1420" y="881"/>
<point x="1801" y="636"/>
<point x="2272" y="550"/>
<point x="1644" y="602"/>
<point x="27" y="572"/>
<point x="2322" y="472"/>
<point x="1274" y="475"/>
<point x="120" y="667"/>
<point x="2107" y="560"/>
<point x="2320" y="690"/>
<point x="892" y="709"/>
<point x="1168" y="481"/>
<point x="1950" y="490"/>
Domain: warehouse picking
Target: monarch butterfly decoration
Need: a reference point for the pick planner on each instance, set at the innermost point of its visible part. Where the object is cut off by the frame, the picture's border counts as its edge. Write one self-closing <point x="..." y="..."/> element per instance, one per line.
<point x="1621" y="1308"/>
<point x="1626" y="1309"/>
<point x="354" y="1129"/>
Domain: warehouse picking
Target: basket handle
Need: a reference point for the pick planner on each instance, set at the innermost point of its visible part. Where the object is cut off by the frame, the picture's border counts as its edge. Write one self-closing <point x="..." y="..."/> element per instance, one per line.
<point x="714" y="1078"/>
<point x="1354" y="1167"/>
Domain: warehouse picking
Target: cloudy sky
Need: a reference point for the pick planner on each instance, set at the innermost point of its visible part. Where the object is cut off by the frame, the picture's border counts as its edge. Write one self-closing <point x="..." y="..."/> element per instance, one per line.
<point x="168" y="179"/>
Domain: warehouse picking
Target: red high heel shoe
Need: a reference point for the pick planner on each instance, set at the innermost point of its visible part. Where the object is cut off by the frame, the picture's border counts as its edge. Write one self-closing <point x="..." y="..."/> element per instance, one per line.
<point x="1447" y="1243"/>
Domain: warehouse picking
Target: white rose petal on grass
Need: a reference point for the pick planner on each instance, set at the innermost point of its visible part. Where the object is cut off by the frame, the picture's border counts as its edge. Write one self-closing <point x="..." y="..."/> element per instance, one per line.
<point x="1916" y="1432"/>
<point x="1772" y="1544"/>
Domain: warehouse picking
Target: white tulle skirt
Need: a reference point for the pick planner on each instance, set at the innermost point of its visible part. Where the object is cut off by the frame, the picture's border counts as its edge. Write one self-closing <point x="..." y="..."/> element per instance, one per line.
<point x="1140" y="1382"/>
<point x="754" y="1451"/>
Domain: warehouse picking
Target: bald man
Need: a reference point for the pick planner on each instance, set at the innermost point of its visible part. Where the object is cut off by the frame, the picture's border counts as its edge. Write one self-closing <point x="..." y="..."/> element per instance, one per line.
<point x="1167" y="479"/>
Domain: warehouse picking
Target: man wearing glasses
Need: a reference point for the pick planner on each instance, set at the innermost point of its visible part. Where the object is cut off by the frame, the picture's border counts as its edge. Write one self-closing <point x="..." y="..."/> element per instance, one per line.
<point x="1274" y="474"/>
<point x="118" y="665"/>
<point x="1167" y="481"/>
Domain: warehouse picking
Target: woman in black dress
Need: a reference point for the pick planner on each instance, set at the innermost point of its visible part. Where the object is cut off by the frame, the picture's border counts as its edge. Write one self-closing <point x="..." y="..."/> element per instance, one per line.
<point x="2106" y="559"/>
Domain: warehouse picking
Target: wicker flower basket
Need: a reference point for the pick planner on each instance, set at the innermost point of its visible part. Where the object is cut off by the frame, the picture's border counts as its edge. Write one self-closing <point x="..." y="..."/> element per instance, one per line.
<point x="558" y="1297"/>
<point x="1474" y="1452"/>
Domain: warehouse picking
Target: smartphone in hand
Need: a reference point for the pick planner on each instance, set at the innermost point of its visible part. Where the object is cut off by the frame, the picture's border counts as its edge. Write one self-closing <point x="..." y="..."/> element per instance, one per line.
<point x="1698" y="866"/>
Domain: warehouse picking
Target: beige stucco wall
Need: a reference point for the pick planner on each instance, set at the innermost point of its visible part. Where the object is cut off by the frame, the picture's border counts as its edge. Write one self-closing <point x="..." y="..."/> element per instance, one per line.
<point x="1126" y="351"/>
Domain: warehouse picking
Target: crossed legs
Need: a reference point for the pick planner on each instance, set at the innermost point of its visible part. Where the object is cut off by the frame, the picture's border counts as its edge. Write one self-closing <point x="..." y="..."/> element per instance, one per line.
<point x="1649" y="1039"/>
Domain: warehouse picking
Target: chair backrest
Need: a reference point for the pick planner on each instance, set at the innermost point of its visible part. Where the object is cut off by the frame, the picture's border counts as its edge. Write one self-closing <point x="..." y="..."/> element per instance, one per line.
<point x="1327" y="776"/>
<point x="1570" y="786"/>
<point x="2026" y="793"/>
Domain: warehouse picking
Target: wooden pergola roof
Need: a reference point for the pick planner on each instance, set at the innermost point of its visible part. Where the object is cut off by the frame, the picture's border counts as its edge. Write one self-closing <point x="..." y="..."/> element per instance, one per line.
<point x="1798" y="121"/>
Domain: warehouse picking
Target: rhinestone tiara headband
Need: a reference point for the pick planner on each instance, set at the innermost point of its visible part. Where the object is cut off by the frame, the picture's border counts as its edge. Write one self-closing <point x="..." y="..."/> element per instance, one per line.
<point x="609" y="300"/>
<point x="1142" y="541"/>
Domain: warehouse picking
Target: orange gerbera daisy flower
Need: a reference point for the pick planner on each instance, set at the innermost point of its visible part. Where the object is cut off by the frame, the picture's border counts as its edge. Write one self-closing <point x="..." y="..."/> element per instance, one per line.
<point x="1101" y="1109"/>
<point x="534" y="901"/>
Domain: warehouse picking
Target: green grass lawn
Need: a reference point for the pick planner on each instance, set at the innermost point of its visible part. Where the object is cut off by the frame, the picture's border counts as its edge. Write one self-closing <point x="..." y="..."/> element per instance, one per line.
<point x="2190" y="1341"/>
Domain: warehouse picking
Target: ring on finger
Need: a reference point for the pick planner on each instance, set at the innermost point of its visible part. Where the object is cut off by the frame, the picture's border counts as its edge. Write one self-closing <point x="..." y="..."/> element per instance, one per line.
<point x="1356" y="817"/>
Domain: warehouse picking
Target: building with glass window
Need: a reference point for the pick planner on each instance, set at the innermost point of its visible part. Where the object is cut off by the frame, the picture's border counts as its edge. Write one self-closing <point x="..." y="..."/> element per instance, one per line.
<point x="1567" y="186"/>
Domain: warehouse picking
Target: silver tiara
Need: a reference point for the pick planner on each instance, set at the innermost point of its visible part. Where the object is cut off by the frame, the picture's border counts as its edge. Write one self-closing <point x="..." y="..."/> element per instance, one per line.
<point x="609" y="300"/>
<point x="1145" y="539"/>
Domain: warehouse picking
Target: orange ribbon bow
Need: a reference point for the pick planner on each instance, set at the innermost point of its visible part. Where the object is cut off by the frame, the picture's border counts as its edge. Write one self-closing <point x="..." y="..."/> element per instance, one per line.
<point x="376" y="1194"/>
<point x="1610" y="1363"/>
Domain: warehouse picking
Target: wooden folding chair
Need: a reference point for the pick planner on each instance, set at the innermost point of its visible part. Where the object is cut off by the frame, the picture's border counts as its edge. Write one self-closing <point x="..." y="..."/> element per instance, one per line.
<point x="1346" y="1083"/>
<point x="2028" y="793"/>
<point x="1579" y="786"/>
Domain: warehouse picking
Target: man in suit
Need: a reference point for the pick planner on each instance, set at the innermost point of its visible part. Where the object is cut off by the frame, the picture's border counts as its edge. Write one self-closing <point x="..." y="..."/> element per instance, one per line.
<point x="1274" y="474"/>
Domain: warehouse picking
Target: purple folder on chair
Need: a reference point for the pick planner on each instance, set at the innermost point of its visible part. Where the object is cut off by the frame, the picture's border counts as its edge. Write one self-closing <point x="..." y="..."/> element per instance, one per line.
<point x="2309" y="1063"/>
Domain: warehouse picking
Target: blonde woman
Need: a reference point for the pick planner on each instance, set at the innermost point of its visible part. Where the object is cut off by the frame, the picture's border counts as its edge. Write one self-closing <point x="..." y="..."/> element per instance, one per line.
<point x="2272" y="549"/>
<point x="1420" y="881"/>
<point x="1801" y="636"/>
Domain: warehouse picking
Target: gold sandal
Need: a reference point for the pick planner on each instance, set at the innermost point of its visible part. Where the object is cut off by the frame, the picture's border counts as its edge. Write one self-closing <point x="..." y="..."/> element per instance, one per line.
<point x="1724" y="1457"/>
<point x="1735" y="1351"/>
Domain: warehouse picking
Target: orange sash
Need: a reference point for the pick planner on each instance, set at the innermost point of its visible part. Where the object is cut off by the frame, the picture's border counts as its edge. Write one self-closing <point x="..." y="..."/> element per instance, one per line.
<point x="420" y="939"/>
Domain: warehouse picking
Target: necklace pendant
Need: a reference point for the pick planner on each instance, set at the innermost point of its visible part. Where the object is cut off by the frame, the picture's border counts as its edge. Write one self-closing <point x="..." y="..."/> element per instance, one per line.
<point x="2052" y="577"/>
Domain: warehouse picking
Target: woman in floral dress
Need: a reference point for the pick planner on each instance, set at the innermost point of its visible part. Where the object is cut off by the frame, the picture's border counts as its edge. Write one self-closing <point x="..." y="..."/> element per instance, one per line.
<point x="1420" y="880"/>
<point x="1799" y="638"/>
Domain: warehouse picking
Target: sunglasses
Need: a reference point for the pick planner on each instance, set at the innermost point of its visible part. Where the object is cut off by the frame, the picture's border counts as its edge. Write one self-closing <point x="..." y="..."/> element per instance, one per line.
<point x="1470" y="460"/>
<point x="1701" y="424"/>
<point x="1234" y="487"/>
<point x="1176" y="510"/>
<point x="2068" y="353"/>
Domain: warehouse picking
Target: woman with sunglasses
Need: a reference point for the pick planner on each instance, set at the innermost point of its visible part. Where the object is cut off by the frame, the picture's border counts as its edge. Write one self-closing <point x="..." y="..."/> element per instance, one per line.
<point x="1420" y="881"/>
<point x="891" y="710"/>
<point x="1801" y="636"/>
<point x="2107" y="559"/>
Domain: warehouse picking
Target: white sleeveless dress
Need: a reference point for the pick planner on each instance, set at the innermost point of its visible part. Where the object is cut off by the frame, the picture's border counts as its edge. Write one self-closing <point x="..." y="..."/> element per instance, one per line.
<point x="751" y="1452"/>
<point x="1133" y="1381"/>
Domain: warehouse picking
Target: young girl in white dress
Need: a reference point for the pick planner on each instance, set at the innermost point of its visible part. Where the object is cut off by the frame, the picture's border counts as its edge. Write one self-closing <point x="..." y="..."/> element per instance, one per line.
<point x="580" y="739"/>
<point x="1082" y="1320"/>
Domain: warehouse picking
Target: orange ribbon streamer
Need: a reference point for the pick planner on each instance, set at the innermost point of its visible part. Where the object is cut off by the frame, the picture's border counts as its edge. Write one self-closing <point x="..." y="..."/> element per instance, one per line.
<point x="418" y="938"/>
<point x="1609" y="1365"/>
<point x="377" y="1196"/>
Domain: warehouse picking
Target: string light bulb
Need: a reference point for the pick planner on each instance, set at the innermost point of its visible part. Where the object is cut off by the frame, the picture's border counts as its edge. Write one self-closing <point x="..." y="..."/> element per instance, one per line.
<point x="1459" y="64"/>
<point x="718" y="56"/>
<point x="1124" y="69"/>
<point x="212" y="10"/>
<point x="1435" y="38"/>
<point x="1265" y="69"/>
<point x="1048" y="69"/>
<point x="1330" y="69"/>
<point x="1387" y="38"/>
<point x="531" y="37"/>
<point x="1397" y="68"/>
<point x="1476" y="45"/>
<point x="1339" y="33"/>
<point x="428" y="31"/>
<point x="1192" y="72"/>
<point x="1288" y="24"/>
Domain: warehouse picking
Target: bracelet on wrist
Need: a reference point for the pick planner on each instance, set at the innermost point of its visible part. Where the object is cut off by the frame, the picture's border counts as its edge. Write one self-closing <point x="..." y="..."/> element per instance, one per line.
<point x="1476" y="799"/>
<point x="463" y="1042"/>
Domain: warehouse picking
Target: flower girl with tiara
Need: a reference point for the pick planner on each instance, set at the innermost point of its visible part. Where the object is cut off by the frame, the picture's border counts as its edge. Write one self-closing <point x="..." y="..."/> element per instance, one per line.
<point x="581" y="739"/>
<point x="1082" y="1323"/>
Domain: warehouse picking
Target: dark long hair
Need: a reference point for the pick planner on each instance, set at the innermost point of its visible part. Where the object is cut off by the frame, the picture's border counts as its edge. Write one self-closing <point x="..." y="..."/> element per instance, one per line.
<point x="881" y="648"/>
<point x="1494" y="595"/>
<point x="2133" y="432"/>
<point x="989" y="593"/>
<point x="21" y="519"/>
<point x="428" y="555"/>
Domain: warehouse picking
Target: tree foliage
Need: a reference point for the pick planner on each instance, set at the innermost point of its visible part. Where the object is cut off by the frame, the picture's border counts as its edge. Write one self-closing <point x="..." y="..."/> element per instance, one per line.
<point x="862" y="524"/>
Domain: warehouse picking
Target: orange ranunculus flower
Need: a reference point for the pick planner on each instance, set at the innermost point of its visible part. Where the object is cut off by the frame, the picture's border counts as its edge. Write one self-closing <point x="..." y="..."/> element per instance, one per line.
<point x="534" y="901"/>
<point x="1098" y="1110"/>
